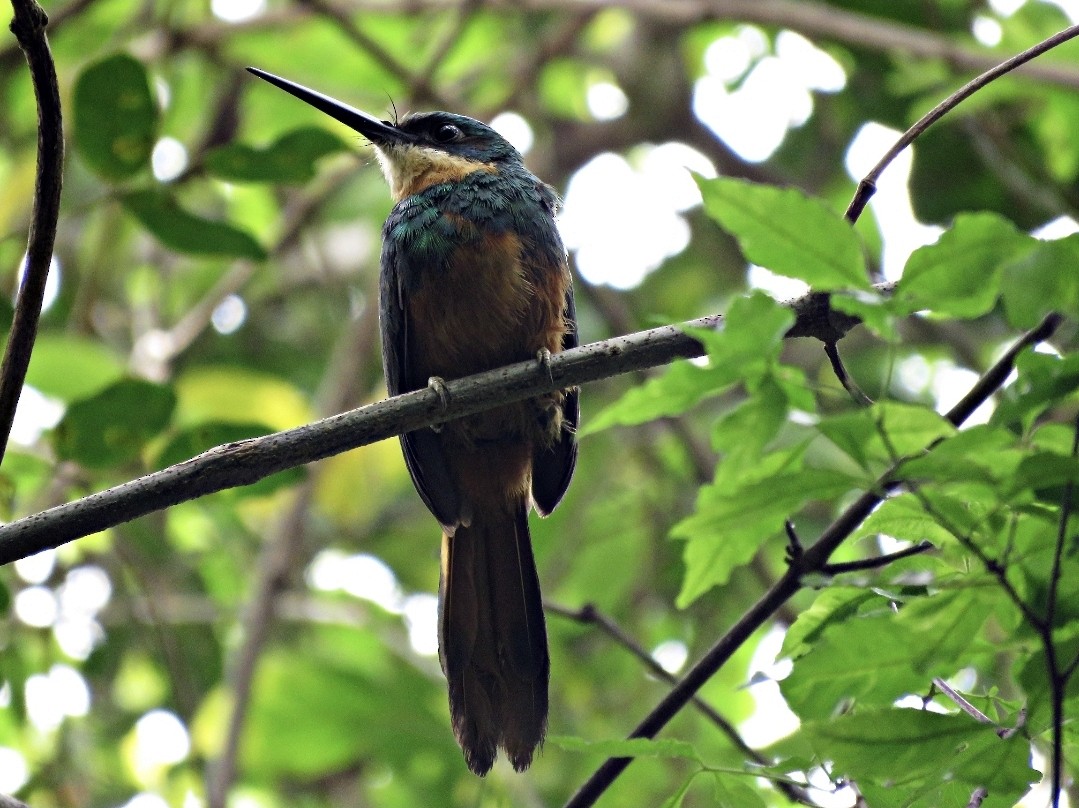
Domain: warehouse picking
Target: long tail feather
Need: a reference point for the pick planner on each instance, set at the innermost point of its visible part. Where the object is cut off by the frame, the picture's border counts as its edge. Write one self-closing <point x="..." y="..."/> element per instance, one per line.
<point x="493" y="639"/>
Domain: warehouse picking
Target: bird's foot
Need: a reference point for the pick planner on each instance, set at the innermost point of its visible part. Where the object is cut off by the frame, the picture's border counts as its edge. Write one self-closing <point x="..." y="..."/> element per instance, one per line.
<point x="543" y="356"/>
<point x="438" y="385"/>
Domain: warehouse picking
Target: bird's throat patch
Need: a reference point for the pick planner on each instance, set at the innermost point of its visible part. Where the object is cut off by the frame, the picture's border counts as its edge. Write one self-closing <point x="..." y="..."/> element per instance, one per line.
<point x="411" y="169"/>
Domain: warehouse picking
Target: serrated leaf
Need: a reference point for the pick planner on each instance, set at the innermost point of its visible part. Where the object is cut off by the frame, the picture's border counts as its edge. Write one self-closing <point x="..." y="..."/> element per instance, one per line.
<point x="744" y="348"/>
<point x="184" y="232"/>
<point x="885" y="431"/>
<point x="116" y="116"/>
<point x="113" y="426"/>
<point x="959" y="275"/>
<point x="731" y="523"/>
<point x="681" y="387"/>
<point x="1042" y="280"/>
<point x="787" y="232"/>
<point x="876" y="659"/>
<point x="289" y="159"/>
<point x="909" y="747"/>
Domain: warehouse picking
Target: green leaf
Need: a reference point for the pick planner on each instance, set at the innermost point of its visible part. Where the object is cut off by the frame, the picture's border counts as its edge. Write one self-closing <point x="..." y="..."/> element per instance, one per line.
<point x="981" y="452"/>
<point x="289" y="159"/>
<point x="744" y="432"/>
<point x="115" y="116"/>
<point x="731" y="522"/>
<point x="632" y="747"/>
<point x="836" y="604"/>
<point x="113" y="426"/>
<point x="787" y="232"/>
<point x="914" y="748"/>
<point x="909" y="428"/>
<point x="70" y="367"/>
<point x="198" y="439"/>
<point x="903" y="517"/>
<point x="745" y="347"/>
<point x="876" y="659"/>
<point x="1042" y="280"/>
<point x="959" y="275"/>
<point x="1043" y="380"/>
<point x="184" y="232"/>
<point x="735" y="792"/>
<point x="681" y="387"/>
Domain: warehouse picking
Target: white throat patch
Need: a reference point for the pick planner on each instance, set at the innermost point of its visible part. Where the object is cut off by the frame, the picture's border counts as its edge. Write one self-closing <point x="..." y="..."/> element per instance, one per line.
<point x="410" y="169"/>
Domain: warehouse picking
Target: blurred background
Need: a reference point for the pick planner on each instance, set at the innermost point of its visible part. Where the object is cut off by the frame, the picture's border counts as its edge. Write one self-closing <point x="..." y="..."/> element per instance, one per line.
<point x="216" y="278"/>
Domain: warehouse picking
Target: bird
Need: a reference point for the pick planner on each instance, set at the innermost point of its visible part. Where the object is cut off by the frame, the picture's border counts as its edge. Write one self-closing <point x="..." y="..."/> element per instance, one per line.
<point x="474" y="276"/>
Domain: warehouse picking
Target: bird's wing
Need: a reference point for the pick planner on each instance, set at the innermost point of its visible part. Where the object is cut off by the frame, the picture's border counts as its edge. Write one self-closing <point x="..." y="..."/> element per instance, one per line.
<point x="553" y="467"/>
<point x="423" y="452"/>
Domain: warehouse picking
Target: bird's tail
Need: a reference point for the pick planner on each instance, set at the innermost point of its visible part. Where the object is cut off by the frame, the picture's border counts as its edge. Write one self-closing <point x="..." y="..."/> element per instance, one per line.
<point x="493" y="642"/>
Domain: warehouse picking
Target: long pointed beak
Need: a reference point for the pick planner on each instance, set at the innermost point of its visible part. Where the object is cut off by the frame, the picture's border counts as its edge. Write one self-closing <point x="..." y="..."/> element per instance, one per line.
<point x="378" y="132"/>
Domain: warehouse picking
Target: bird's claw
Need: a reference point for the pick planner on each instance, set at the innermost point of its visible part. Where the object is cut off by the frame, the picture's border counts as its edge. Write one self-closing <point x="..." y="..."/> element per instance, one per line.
<point x="438" y="385"/>
<point x="543" y="356"/>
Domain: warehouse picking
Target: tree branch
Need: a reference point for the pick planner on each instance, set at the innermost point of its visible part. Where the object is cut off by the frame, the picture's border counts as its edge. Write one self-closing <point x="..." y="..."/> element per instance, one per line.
<point x="814" y="20"/>
<point x="812" y="559"/>
<point x="248" y="461"/>
<point x="589" y="615"/>
<point x="28" y="26"/>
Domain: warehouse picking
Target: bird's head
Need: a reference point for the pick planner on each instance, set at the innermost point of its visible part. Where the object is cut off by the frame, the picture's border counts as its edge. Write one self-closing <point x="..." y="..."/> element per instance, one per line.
<point x="421" y="149"/>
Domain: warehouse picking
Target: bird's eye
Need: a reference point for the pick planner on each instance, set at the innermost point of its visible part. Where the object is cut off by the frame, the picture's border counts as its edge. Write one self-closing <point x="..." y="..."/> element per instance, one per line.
<point x="447" y="133"/>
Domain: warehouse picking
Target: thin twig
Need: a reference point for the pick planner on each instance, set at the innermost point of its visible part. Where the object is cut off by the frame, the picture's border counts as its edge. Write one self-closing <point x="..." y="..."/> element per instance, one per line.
<point x="591" y="616"/>
<point x="1058" y="678"/>
<point x="831" y="350"/>
<point x="868" y="185"/>
<point x="808" y="560"/>
<point x="877" y="561"/>
<point x="28" y="26"/>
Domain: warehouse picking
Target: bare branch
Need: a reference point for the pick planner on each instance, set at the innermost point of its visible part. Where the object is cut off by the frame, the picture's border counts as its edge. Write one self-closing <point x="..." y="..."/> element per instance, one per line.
<point x="28" y="25"/>
<point x="249" y="461"/>
<point x="814" y="20"/>
<point x="877" y="561"/>
<point x="867" y="186"/>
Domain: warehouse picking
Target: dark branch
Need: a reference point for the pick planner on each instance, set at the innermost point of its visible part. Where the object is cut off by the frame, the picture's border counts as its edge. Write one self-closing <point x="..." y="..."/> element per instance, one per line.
<point x="28" y="26"/>
<point x="877" y="561"/>
<point x="868" y="186"/>
<point x="810" y="560"/>
<point x="591" y="616"/>
<point x="249" y="461"/>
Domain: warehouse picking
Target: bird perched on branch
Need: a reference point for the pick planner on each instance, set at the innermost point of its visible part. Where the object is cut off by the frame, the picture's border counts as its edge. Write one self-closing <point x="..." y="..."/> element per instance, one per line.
<point x="474" y="276"/>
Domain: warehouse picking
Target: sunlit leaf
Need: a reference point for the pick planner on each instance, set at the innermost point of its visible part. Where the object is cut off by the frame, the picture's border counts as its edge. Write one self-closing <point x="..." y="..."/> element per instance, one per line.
<point x="959" y="275"/>
<point x="1042" y="280"/>
<point x="787" y="232"/>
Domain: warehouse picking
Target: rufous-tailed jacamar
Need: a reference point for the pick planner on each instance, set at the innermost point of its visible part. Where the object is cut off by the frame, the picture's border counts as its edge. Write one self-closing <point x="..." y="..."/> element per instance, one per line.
<point x="474" y="276"/>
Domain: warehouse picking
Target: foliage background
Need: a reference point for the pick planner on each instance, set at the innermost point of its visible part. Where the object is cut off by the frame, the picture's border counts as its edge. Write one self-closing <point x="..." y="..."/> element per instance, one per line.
<point x="235" y="296"/>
